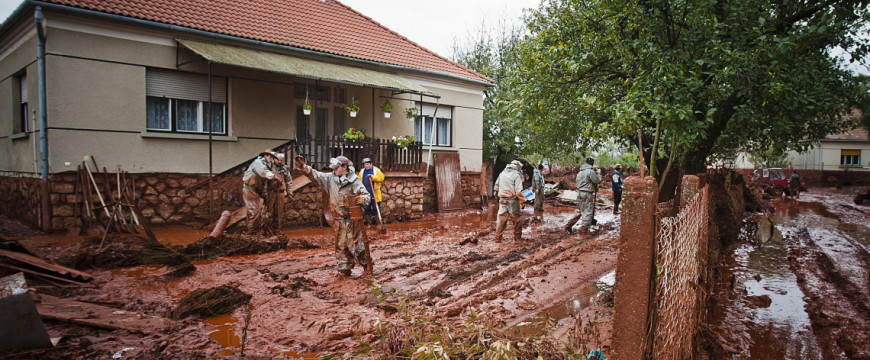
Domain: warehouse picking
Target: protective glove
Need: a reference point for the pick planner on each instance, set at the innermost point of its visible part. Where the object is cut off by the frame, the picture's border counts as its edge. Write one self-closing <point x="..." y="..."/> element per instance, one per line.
<point x="360" y="200"/>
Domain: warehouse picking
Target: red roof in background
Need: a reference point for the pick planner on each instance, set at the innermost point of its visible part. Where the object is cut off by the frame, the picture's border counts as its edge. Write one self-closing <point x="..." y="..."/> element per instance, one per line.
<point x="854" y="134"/>
<point x="324" y="26"/>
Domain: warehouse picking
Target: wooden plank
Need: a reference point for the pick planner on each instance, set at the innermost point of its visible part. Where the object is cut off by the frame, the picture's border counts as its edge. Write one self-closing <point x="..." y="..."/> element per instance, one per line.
<point x="48" y="266"/>
<point x="99" y="316"/>
<point x="448" y="181"/>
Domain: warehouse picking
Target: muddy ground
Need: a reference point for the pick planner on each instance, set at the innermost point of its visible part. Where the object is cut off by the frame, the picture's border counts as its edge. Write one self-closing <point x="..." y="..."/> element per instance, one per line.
<point x="300" y="307"/>
<point x="798" y="284"/>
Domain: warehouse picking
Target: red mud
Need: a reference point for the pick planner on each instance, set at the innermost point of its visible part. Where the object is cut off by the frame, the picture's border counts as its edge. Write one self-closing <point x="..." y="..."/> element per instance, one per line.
<point x="804" y="293"/>
<point x="292" y="289"/>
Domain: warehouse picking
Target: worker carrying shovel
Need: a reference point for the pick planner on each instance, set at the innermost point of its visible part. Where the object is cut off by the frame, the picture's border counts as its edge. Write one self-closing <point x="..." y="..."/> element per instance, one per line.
<point x="341" y="185"/>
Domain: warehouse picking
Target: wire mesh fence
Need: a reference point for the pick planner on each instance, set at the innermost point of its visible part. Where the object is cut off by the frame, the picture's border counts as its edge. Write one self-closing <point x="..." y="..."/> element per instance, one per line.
<point x="681" y="261"/>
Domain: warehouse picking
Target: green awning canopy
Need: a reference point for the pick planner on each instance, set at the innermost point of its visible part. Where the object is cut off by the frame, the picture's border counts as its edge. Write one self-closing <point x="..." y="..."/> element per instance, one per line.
<point x="306" y="68"/>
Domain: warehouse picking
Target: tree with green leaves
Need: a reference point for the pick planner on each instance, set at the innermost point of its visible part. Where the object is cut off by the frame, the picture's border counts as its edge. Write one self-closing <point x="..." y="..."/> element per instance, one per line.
<point x="492" y="52"/>
<point x="701" y="79"/>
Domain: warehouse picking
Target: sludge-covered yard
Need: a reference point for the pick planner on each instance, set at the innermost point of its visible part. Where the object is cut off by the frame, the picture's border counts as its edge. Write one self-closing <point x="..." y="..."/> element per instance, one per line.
<point x="439" y="283"/>
<point x="789" y="285"/>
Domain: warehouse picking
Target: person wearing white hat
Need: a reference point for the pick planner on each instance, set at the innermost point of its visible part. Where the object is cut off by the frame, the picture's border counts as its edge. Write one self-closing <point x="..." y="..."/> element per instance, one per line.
<point x="255" y="182"/>
<point x="341" y="185"/>
<point x="509" y="190"/>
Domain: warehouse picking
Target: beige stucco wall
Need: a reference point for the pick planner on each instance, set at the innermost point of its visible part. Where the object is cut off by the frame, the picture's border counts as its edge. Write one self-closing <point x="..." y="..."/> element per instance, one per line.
<point x="96" y="99"/>
<point x="830" y="159"/>
<point x="17" y="56"/>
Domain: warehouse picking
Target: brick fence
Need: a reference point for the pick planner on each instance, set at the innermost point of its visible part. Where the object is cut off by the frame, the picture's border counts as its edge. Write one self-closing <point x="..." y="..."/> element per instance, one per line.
<point x="163" y="198"/>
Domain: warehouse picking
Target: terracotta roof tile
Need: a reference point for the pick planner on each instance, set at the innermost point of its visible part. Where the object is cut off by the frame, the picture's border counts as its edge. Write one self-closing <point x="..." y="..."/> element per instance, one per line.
<point x="324" y="26"/>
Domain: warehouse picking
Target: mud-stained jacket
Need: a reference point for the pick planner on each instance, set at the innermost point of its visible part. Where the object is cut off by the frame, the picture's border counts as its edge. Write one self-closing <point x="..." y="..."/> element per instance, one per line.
<point x="339" y="189"/>
<point x="588" y="179"/>
<point x="537" y="180"/>
<point x="510" y="183"/>
<point x="257" y="173"/>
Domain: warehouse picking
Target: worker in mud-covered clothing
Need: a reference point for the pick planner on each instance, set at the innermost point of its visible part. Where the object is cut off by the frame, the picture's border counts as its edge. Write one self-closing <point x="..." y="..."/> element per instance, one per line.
<point x="509" y="190"/>
<point x="616" y="185"/>
<point x="259" y="179"/>
<point x="587" y="187"/>
<point x="372" y="177"/>
<point x="794" y="184"/>
<point x="340" y="186"/>
<point x="538" y="189"/>
<point x="276" y="205"/>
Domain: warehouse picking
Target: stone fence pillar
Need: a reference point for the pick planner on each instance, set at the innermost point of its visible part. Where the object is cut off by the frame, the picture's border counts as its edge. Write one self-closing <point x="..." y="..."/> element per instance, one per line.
<point x="635" y="268"/>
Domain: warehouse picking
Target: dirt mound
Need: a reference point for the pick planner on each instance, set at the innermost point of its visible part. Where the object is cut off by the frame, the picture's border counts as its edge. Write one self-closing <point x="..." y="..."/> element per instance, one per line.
<point x="240" y="244"/>
<point x="204" y="303"/>
<point x="123" y="251"/>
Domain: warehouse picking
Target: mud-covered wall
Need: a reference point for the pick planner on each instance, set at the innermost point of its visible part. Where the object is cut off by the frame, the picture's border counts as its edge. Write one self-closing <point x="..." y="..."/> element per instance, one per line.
<point x="826" y="177"/>
<point x="164" y="198"/>
<point x="20" y="199"/>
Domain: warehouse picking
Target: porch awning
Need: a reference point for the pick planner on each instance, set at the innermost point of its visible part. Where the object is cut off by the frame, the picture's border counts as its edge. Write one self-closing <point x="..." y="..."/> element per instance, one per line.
<point x="291" y="65"/>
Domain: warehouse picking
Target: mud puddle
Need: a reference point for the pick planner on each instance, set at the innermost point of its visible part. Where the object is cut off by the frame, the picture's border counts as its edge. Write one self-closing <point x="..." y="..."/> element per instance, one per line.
<point x="558" y="314"/>
<point x="781" y="286"/>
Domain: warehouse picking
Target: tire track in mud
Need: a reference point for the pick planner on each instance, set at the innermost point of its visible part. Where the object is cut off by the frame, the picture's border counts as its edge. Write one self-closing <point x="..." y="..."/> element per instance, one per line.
<point x="838" y="309"/>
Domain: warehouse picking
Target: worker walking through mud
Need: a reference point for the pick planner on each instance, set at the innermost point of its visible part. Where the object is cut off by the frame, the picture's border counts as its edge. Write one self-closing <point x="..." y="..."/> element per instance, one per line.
<point x="341" y="186"/>
<point x="509" y="189"/>
<point x="538" y="189"/>
<point x="587" y="187"/>
<point x="279" y="195"/>
<point x="794" y="184"/>
<point x="259" y="179"/>
<point x="616" y="185"/>
<point x="372" y="177"/>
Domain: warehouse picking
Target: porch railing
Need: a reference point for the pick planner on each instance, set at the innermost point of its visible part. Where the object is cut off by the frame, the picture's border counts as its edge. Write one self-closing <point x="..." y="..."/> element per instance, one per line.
<point x="384" y="154"/>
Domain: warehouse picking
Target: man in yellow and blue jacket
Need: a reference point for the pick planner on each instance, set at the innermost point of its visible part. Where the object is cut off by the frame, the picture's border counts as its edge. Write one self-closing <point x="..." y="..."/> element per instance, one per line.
<point x="372" y="177"/>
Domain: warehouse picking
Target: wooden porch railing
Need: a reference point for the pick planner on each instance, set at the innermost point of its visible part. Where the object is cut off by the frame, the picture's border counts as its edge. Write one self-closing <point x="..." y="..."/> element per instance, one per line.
<point x="384" y="154"/>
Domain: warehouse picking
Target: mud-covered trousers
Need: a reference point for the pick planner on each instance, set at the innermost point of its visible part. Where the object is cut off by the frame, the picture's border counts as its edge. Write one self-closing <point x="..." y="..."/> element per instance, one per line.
<point x="256" y="213"/>
<point x="349" y="247"/>
<point x="539" y="202"/>
<point x="509" y="209"/>
<point x="585" y="208"/>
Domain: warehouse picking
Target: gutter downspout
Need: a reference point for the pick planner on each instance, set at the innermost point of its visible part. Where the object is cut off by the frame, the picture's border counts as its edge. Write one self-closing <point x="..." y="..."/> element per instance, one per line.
<point x="434" y="126"/>
<point x="43" y="122"/>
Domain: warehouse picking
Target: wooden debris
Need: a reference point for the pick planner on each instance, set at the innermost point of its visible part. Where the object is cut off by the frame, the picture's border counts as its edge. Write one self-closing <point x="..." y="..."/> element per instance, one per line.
<point x="99" y="316"/>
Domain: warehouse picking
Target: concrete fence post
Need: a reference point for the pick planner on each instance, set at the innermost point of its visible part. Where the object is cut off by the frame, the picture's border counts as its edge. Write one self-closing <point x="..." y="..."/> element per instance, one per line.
<point x="691" y="186"/>
<point x="635" y="269"/>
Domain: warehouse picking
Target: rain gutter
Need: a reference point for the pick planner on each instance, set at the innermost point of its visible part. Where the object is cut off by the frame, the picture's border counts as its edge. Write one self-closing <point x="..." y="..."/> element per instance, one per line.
<point x="43" y="121"/>
<point x="187" y="30"/>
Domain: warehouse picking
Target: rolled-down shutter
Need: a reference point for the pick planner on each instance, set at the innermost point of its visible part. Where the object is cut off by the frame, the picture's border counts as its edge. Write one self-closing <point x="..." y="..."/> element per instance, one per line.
<point x="23" y="82"/>
<point x="184" y="85"/>
<point x="444" y="112"/>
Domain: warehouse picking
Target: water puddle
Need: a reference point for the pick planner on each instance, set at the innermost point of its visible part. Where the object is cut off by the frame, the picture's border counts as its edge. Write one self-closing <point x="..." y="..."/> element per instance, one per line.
<point x="537" y="323"/>
<point x="768" y="317"/>
<point x="223" y="330"/>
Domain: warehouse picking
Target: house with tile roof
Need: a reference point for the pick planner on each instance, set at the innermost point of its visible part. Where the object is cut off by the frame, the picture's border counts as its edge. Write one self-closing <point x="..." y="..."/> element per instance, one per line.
<point x="202" y="86"/>
<point x="849" y="150"/>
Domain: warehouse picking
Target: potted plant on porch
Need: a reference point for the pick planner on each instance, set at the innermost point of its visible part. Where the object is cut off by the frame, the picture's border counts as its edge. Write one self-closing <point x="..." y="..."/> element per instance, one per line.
<point x="402" y="142"/>
<point x="353" y="136"/>
<point x="352" y="108"/>
<point x="387" y="107"/>
<point x="306" y="108"/>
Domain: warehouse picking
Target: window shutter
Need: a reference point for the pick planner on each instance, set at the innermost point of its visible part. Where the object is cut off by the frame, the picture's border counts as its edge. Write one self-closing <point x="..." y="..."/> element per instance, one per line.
<point x="184" y="85"/>
<point x="23" y="82"/>
<point x="444" y="112"/>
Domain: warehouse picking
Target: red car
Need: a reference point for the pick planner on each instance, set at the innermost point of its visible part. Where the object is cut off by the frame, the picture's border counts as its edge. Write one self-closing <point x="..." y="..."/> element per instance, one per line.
<point x="776" y="180"/>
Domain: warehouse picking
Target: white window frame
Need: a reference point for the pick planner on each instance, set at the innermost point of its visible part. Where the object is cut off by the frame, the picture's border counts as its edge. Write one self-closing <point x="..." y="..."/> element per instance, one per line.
<point x="200" y="116"/>
<point x="850" y="160"/>
<point x="174" y="86"/>
<point x="427" y="115"/>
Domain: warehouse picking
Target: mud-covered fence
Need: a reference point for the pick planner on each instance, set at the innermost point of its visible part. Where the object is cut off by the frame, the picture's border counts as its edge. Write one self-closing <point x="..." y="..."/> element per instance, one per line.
<point x="681" y="255"/>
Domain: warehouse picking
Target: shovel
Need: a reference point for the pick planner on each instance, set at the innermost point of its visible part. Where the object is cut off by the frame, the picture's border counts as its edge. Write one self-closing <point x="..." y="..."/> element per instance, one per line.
<point x="381" y="228"/>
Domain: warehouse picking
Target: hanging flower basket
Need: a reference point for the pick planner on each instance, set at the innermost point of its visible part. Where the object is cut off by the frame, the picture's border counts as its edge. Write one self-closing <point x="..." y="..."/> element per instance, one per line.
<point x="352" y="108"/>
<point x="387" y="108"/>
<point x="306" y="108"/>
<point x="412" y="112"/>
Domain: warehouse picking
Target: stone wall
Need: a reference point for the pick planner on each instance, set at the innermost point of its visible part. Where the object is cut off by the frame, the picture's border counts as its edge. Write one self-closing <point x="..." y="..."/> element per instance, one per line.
<point x="163" y="198"/>
<point x="20" y="199"/>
